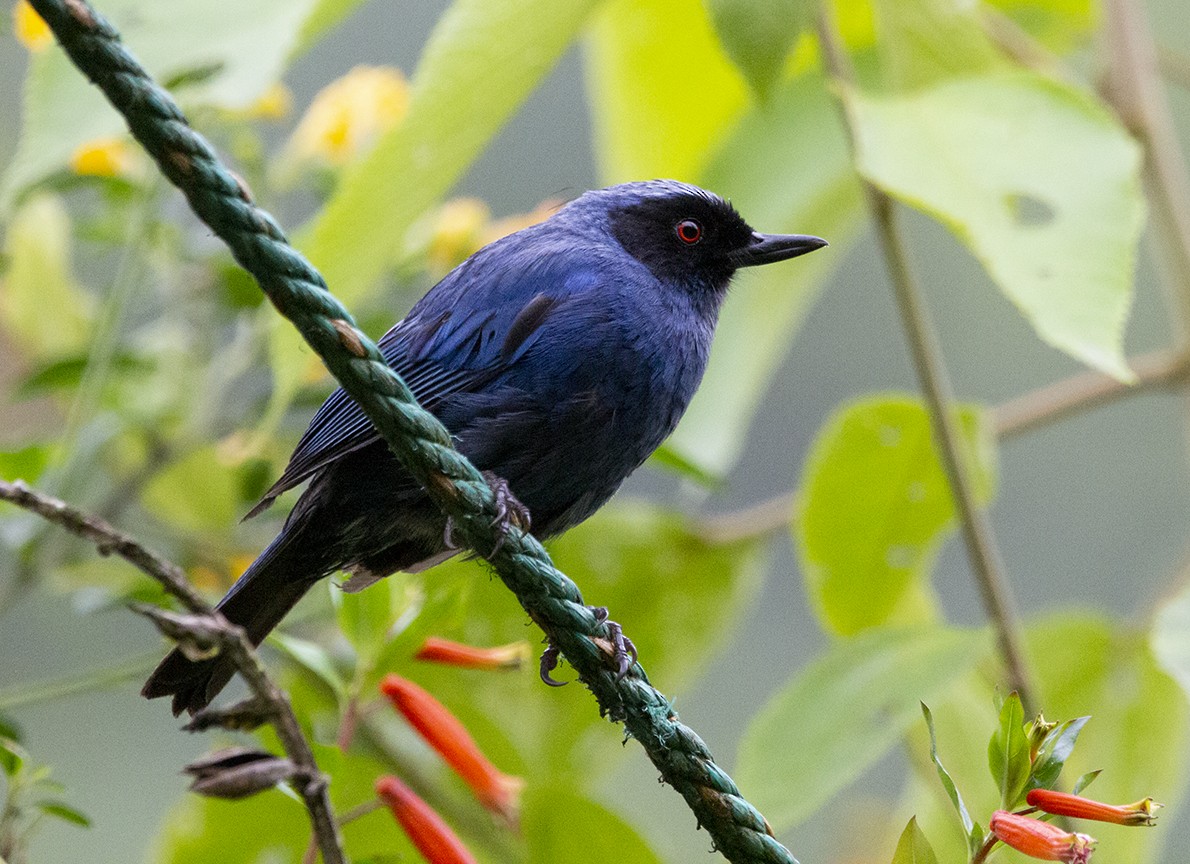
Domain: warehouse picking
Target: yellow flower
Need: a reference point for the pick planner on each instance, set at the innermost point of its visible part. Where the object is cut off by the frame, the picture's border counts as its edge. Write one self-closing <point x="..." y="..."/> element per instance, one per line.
<point x="29" y="28"/>
<point x="104" y="157"/>
<point x="509" y="224"/>
<point x="274" y="103"/>
<point x="456" y="232"/>
<point x="348" y="115"/>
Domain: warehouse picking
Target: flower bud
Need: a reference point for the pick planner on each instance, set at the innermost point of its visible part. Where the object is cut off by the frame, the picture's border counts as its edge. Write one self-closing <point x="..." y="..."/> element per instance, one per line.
<point x="237" y="772"/>
<point x="429" y="833"/>
<point x="497" y="791"/>
<point x="1143" y="812"/>
<point x="437" y="650"/>
<point x="1039" y="839"/>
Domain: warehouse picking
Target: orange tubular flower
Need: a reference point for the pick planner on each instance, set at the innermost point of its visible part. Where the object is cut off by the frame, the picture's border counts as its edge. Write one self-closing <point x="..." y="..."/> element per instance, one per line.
<point x="1064" y="804"/>
<point x="432" y="837"/>
<point x="1039" y="839"/>
<point x="437" y="650"/>
<point x="497" y="791"/>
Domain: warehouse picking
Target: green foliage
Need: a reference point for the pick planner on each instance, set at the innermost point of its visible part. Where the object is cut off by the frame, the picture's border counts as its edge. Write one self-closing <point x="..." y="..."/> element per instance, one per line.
<point x="662" y="90"/>
<point x="563" y="826"/>
<point x="913" y="847"/>
<point x="242" y="50"/>
<point x="127" y="329"/>
<point x="844" y="711"/>
<point x="875" y="509"/>
<point x="42" y="306"/>
<point x="758" y="35"/>
<point x="1038" y="181"/>
<point x="1008" y="753"/>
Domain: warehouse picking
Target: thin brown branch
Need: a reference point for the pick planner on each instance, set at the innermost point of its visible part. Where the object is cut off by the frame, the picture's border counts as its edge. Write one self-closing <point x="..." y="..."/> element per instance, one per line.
<point x="1087" y="390"/>
<point x="982" y="550"/>
<point x="1134" y="88"/>
<point x="309" y="782"/>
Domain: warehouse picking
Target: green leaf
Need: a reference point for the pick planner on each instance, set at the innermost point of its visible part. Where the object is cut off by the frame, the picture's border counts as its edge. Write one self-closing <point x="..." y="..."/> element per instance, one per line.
<point x="921" y="42"/>
<point x="12" y="756"/>
<point x="1060" y="25"/>
<point x="843" y="712"/>
<point x="875" y="508"/>
<point x="196" y="492"/>
<point x="913" y="847"/>
<point x="952" y="791"/>
<point x="1084" y="781"/>
<point x="312" y="657"/>
<point x="1008" y="753"/>
<point x="1171" y="638"/>
<point x="787" y="168"/>
<point x="1037" y="179"/>
<point x="561" y="825"/>
<point x="24" y="464"/>
<point x="1086" y="664"/>
<point x="1055" y="749"/>
<point x="62" y="811"/>
<point x="41" y="305"/>
<point x="661" y="90"/>
<point x="246" y="44"/>
<point x="758" y="34"/>
<point x="365" y="617"/>
<point x="325" y="16"/>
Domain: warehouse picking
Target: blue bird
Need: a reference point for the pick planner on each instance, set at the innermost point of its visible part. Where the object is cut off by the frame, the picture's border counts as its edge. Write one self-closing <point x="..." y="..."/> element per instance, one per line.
<point x="559" y="358"/>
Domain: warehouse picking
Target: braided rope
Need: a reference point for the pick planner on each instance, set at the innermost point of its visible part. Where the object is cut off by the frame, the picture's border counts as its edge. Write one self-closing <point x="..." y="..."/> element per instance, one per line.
<point x="421" y="443"/>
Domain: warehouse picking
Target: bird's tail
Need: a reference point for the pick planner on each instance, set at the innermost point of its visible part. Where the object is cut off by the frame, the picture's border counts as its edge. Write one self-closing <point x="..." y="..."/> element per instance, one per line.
<point x="259" y="599"/>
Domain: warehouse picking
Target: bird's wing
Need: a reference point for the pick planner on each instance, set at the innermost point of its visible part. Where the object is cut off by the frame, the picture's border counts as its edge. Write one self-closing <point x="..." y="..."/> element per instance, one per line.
<point x="442" y="348"/>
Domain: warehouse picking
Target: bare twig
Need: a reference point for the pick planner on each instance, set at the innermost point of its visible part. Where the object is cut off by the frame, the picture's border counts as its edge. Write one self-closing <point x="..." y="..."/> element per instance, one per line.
<point x="309" y="781"/>
<point x="1087" y="390"/>
<point x="1133" y="87"/>
<point x="982" y="550"/>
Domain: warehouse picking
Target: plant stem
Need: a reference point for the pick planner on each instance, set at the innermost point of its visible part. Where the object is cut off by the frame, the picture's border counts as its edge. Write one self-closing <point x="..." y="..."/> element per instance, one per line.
<point x="1134" y="89"/>
<point x="982" y="550"/>
<point x="309" y="782"/>
<point x="1087" y="390"/>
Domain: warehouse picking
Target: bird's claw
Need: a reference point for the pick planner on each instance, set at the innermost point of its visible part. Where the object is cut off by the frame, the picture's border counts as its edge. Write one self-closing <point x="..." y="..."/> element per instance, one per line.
<point x="549" y="662"/>
<point x="624" y="653"/>
<point x="509" y="511"/>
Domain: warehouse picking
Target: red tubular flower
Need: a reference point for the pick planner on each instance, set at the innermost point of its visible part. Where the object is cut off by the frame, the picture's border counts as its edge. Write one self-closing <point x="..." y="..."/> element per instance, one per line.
<point x="497" y="791"/>
<point x="438" y="650"/>
<point x="432" y="837"/>
<point x="1039" y="839"/>
<point x="1064" y="804"/>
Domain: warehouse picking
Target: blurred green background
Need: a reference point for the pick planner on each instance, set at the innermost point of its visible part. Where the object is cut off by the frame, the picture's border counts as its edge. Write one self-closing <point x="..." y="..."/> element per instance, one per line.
<point x="1091" y="513"/>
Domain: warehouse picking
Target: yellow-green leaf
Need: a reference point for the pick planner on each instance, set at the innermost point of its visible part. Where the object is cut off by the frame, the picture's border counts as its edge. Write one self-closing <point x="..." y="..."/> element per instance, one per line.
<point x="41" y="306"/>
<point x="1037" y="179"/>
<point x="844" y="711"/>
<point x="662" y="91"/>
<point x="875" y="508"/>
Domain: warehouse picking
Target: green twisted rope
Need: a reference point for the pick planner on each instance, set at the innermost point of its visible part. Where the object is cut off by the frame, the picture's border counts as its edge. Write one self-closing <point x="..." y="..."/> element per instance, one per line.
<point x="422" y="444"/>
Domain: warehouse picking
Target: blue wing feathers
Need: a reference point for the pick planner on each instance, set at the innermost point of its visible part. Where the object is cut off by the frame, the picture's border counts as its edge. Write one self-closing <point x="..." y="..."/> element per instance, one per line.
<point x="441" y="353"/>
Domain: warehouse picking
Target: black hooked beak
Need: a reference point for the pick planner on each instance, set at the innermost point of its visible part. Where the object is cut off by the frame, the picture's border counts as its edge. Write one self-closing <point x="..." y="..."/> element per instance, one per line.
<point x="767" y="248"/>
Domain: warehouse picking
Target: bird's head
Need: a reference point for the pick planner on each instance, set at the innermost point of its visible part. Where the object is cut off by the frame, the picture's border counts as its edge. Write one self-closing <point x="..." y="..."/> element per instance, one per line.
<point x="687" y="235"/>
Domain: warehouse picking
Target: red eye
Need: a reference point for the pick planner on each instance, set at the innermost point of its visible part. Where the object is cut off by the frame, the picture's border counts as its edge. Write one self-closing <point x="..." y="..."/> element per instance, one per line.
<point x="688" y="231"/>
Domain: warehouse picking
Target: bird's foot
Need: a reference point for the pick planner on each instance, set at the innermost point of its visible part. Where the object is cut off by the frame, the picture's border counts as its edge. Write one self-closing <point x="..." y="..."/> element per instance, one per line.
<point x="549" y="662"/>
<point x="623" y="652"/>
<point x="509" y="511"/>
<point x="620" y="647"/>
